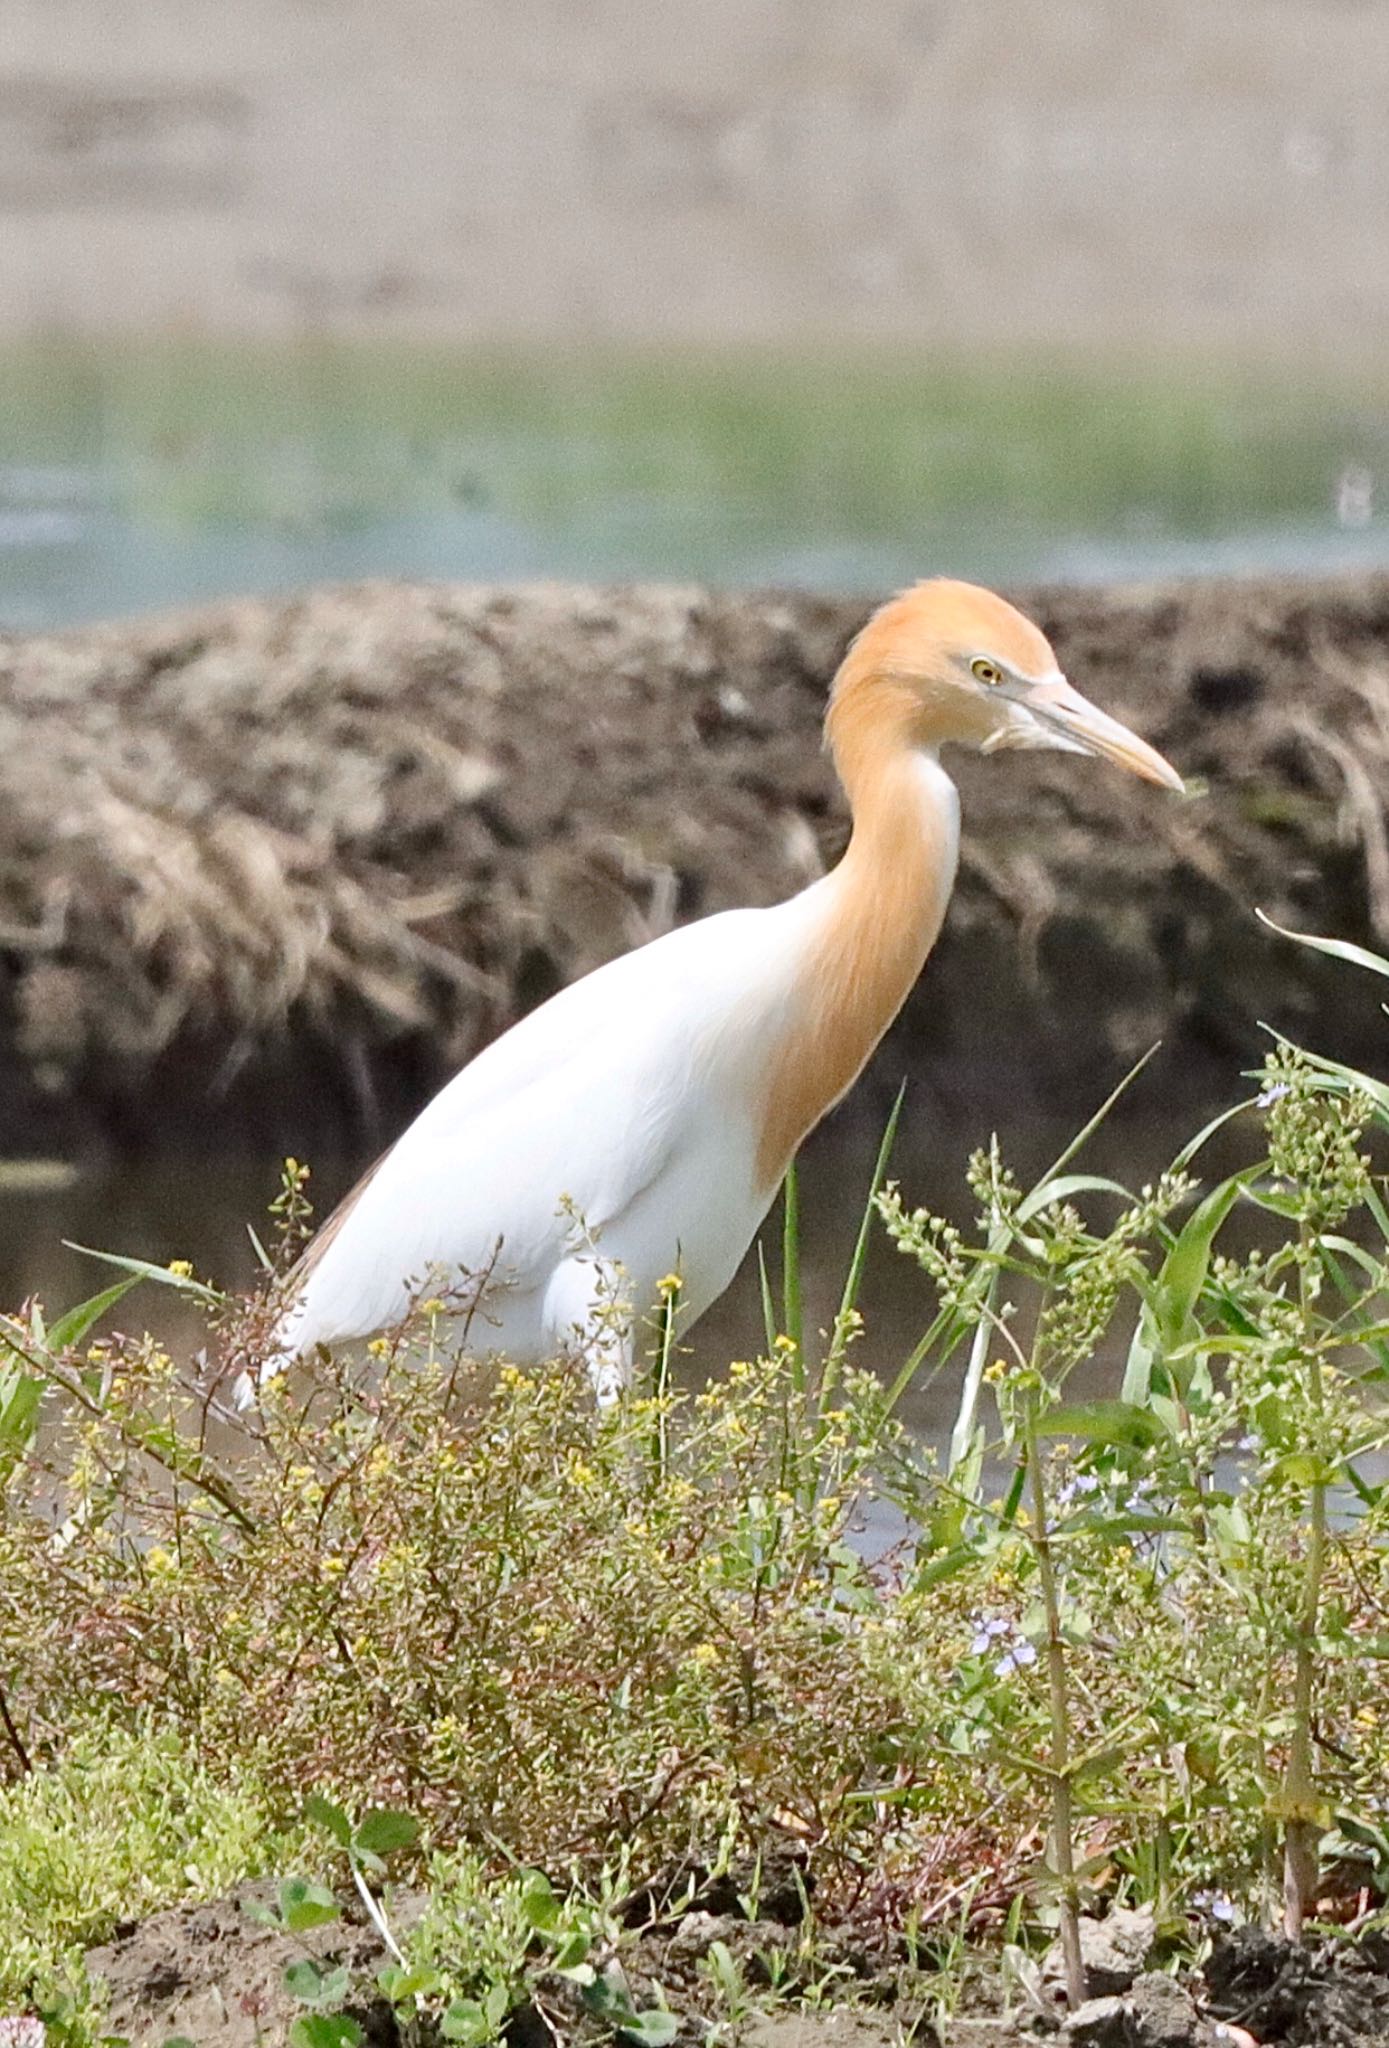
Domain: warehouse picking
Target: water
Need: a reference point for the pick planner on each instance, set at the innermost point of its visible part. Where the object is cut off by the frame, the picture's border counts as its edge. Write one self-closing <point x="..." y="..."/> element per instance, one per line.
<point x="200" y="1212"/>
<point x="140" y="478"/>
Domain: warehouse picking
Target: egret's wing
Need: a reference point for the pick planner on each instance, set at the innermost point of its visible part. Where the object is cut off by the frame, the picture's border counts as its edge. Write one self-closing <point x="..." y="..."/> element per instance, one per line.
<point x="570" y="1114"/>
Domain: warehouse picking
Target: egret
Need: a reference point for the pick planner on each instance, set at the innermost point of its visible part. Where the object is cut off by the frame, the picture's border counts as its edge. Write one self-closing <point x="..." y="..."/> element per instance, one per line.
<point x="640" y="1122"/>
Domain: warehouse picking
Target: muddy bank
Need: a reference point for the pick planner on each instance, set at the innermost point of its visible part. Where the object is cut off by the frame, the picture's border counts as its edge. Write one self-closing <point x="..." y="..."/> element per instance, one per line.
<point x="270" y="870"/>
<point x="210" y="1974"/>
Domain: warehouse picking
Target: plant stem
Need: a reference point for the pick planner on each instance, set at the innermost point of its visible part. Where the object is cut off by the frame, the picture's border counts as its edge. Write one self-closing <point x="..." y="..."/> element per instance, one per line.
<point x="1062" y="1820"/>
<point x="660" y="1388"/>
<point x="176" y="1460"/>
<point x="1300" y="1804"/>
<point x="13" y="1735"/>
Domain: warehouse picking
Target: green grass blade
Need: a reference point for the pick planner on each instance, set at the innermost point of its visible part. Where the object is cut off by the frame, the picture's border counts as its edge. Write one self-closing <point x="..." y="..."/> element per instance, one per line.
<point x="1088" y="1130"/>
<point x="963" y="1434"/>
<point x="144" y="1269"/>
<point x="1338" y="949"/>
<point x="791" y="1318"/>
<point x="853" y="1279"/>
<point x="768" y="1306"/>
<point x="72" y="1327"/>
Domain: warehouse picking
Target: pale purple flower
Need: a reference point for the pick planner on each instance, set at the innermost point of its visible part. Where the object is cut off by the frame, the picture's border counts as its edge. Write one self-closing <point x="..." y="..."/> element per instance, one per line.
<point x="22" y="2030"/>
<point x="1077" y="1487"/>
<point x="1020" y="1655"/>
<point x="1218" y="1905"/>
<point x="1273" y="1093"/>
<point x="987" y="1632"/>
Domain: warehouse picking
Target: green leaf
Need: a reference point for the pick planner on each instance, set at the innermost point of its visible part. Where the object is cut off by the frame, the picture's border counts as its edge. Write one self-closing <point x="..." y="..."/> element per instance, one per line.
<point x="475" y="2022"/>
<point x="21" y="1395"/>
<point x="145" y="1269"/>
<point x="539" y="1904"/>
<point x="1060" y="1189"/>
<point x="385" y="1830"/>
<point x="324" y="2030"/>
<point x="1303" y="1469"/>
<point x="71" y="1328"/>
<point x="1183" y="1272"/>
<point x="466" y="2021"/>
<point x="1104" y="1422"/>
<point x="937" y="1570"/>
<point x="324" y="1814"/>
<point x="656" y="2027"/>
<point x="317" y="1983"/>
<point x="571" y="1949"/>
<point x="1115" y="1526"/>
<point x="1138" y="1366"/>
<point x="1338" y="949"/>
<point x="397" y="1984"/>
<point x="304" y="1905"/>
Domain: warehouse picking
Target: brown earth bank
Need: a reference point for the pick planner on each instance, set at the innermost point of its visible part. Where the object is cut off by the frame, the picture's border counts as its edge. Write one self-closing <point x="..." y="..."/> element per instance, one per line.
<point x="208" y="1974"/>
<point x="270" y="870"/>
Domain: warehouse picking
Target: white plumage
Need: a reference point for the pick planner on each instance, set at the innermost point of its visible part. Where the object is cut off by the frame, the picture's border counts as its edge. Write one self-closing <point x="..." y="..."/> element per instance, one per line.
<point x="619" y="1112"/>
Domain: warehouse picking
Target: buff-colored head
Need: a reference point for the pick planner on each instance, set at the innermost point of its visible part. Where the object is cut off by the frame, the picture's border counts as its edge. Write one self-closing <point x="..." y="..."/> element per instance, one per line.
<point x="950" y="662"/>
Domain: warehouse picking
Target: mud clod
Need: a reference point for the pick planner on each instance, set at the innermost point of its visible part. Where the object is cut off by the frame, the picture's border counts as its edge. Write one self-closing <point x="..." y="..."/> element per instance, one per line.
<point x="1319" y="1995"/>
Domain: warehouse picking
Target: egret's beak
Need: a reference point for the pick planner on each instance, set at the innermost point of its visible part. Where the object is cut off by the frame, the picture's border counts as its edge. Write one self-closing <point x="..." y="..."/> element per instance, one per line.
<point x="1070" y="721"/>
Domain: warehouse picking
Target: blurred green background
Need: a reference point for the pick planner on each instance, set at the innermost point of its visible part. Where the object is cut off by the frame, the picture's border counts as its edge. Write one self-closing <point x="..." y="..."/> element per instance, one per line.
<point x="134" y="477"/>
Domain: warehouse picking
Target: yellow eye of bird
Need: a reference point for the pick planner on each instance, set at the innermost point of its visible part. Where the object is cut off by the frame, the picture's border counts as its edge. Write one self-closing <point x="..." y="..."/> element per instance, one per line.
<point x="986" y="671"/>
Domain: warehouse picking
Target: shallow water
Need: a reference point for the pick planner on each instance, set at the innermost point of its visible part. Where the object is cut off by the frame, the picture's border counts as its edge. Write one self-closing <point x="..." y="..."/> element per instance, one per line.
<point x="136" y="479"/>
<point x="184" y="1210"/>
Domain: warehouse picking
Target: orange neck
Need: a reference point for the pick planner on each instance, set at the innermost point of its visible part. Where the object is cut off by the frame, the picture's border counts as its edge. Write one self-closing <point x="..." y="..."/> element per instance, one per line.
<point x="878" y="913"/>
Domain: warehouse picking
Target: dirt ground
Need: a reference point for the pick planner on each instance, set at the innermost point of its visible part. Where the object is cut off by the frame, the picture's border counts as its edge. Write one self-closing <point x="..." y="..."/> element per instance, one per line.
<point x="270" y="870"/>
<point x="208" y="1973"/>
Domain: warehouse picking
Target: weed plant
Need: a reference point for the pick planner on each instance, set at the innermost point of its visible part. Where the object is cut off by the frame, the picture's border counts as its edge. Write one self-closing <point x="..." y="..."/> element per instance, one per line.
<point x="1132" y="1648"/>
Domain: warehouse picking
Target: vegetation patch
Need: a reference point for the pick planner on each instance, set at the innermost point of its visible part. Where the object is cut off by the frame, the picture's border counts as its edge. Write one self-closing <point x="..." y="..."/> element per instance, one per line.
<point x="633" y="1721"/>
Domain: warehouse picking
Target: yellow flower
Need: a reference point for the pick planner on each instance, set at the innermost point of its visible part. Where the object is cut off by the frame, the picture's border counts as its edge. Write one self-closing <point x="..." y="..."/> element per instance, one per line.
<point x="334" y="1567"/>
<point x="378" y="1347"/>
<point x="704" y="1654"/>
<point x="182" y="1269"/>
<point x="433" y="1307"/>
<point x="158" y="1563"/>
<point x="671" y="1283"/>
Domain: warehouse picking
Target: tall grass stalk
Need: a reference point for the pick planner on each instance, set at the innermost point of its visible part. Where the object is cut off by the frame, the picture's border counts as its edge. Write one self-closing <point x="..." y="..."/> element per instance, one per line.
<point x="1062" y="1817"/>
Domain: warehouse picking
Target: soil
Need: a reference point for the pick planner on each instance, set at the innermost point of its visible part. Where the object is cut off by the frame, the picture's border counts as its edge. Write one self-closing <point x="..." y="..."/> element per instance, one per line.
<point x="270" y="870"/>
<point x="211" y="1974"/>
